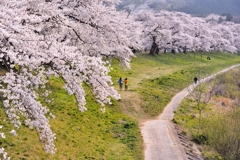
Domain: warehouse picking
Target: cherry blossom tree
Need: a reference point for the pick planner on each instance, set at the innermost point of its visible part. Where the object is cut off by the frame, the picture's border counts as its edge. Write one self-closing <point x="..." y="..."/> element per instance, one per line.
<point x="72" y="40"/>
<point x="156" y="35"/>
<point x="179" y="32"/>
<point x="3" y="154"/>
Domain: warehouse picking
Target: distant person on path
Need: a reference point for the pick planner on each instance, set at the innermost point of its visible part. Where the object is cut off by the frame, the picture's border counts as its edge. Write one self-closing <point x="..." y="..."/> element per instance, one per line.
<point x="126" y="84"/>
<point x="120" y="82"/>
<point x="195" y="80"/>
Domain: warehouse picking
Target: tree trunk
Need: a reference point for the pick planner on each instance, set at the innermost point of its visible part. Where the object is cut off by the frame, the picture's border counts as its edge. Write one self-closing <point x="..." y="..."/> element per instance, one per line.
<point x="165" y="50"/>
<point x="179" y="51"/>
<point x="173" y="51"/>
<point x="157" y="50"/>
<point x="185" y="50"/>
<point x="153" y="48"/>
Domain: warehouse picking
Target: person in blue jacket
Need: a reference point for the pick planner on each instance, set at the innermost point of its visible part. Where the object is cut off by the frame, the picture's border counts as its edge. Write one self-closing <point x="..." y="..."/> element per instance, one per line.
<point x="120" y="82"/>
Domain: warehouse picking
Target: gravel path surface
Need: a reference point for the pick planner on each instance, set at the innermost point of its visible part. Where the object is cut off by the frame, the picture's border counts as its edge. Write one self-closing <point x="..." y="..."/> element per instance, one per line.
<point x="160" y="138"/>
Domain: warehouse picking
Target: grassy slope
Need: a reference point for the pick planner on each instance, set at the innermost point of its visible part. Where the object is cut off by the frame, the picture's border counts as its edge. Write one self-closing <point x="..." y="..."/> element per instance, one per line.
<point x="88" y="135"/>
<point x="187" y="116"/>
<point x="113" y="135"/>
<point x="155" y="79"/>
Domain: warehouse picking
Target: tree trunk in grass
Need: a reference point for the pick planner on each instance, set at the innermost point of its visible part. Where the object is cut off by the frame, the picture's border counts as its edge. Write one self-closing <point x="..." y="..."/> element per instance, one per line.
<point x="157" y="50"/>
<point x="185" y="50"/>
<point x="154" y="49"/>
<point x="165" y="50"/>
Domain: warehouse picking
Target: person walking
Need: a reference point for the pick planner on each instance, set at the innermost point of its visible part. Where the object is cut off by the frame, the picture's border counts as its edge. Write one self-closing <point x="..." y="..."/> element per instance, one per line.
<point x="120" y="82"/>
<point x="195" y="80"/>
<point x="126" y="84"/>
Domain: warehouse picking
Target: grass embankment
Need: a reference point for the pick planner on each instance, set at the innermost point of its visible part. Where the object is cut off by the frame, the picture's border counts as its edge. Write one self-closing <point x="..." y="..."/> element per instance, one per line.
<point x="216" y="129"/>
<point x="80" y="136"/>
<point x="115" y="134"/>
<point x="154" y="80"/>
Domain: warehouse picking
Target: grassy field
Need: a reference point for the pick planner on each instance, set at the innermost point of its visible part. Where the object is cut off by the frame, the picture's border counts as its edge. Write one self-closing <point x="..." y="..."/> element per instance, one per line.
<point x="88" y="135"/>
<point x="217" y="130"/>
<point x="114" y="135"/>
<point x="154" y="80"/>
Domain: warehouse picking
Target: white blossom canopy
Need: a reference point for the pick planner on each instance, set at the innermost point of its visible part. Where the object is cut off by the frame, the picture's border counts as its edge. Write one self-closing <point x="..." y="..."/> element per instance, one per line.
<point x="179" y="31"/>
<point x="67" y="39"/>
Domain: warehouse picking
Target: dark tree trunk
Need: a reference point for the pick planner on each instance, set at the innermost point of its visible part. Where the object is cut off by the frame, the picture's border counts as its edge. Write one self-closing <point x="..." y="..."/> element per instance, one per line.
<point x="154" y="49"/>
<point x="179" y="51"/>
<point x="185" y="50"/>
<point x="157" y="50"/>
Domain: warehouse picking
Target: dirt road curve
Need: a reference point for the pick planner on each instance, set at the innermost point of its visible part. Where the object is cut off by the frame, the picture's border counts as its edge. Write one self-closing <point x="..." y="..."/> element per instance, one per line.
<point x="160" y="137"/>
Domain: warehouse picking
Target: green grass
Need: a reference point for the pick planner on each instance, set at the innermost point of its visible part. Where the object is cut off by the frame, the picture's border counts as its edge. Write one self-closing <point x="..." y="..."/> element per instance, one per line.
<point x="218" y="124"/>
<point x="114" y="135"/>
<point x="88" y="135"/>
<point x="157" y="78"/>
<point x="187" y="116"/>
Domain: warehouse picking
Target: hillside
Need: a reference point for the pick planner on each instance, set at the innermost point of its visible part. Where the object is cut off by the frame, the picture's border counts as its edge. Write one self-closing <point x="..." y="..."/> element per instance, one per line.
<point x="114" y="134"/>
<point x="212" y="6"/>
<point x="188" y="6"/>
<point x="214" y="122"/>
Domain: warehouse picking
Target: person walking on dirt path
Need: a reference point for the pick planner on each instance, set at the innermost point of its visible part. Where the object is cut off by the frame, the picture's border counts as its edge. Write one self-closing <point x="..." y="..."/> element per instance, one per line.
<point x="120" y="82"/>
<point x="195" y="80"/>
<point x="126" y="84"/>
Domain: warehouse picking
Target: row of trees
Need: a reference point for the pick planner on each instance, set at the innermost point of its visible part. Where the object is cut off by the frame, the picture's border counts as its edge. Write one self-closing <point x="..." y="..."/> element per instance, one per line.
<point x="180" y="32"/>
<point x="74" y="40"/>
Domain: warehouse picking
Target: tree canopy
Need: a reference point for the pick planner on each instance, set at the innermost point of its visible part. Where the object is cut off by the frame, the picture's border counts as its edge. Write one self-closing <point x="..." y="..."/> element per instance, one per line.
<point x="66" y="39"/>
<point x="180" y="32"/>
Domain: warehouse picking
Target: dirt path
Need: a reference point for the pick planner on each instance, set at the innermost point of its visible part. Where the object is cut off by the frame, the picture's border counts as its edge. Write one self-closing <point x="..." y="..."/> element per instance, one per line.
<point x="161" y="140"/>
